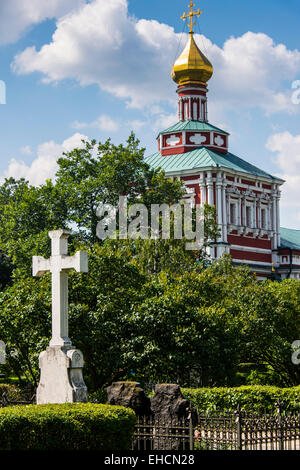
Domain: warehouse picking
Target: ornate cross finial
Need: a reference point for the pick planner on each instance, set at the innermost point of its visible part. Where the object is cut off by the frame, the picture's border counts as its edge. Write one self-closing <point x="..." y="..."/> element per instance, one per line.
<point x="191" y="15"/>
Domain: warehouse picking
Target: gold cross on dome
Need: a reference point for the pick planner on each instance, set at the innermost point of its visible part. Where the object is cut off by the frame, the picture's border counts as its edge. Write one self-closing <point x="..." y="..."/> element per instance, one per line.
<point x="191" y="15"/>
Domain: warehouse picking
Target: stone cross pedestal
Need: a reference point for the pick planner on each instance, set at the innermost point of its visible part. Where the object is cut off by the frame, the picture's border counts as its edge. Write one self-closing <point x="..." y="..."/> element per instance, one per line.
<point x="61" y="379"/>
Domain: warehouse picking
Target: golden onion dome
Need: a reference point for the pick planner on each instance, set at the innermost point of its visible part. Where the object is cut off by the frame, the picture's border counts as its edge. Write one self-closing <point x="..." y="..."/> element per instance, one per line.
<point x="192" y="66"/>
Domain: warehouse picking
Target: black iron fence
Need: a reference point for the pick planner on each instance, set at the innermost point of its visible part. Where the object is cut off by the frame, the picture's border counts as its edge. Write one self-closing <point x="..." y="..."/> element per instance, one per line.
<point x="232" y="431"/>
<point x="152" y="433"/>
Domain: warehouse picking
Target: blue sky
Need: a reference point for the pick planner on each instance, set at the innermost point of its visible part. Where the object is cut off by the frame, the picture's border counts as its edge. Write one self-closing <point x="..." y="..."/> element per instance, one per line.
<point x="99" y="69"/>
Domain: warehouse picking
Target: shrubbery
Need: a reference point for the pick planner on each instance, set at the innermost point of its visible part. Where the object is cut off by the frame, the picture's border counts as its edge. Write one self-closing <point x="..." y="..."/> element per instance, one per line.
<point x="12" y="392"/>
<point x="250" y="398"/>
<point x="75" y="426"/>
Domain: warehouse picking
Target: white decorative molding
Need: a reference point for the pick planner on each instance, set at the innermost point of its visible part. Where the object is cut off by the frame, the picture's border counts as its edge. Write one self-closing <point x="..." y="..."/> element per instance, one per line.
<point x="189" y="190"/>
<point x="258" y="263"/>
<point x="219" y="141"/>
<point x="198" y="139"/>
<point x="173" y="140"/>
<point x="233" y="190"/>
<point x="252" y="249"/>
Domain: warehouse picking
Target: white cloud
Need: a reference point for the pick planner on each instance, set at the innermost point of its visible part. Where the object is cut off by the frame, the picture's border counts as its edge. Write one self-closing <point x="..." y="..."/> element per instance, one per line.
<point x="102" y="44"/>
<point x="136" y="125"/>
<point x="287" y="149"/>
<point x="252" y="71"/>
<point x="164" y="121"/>
<point x="26" y="150"/>
<point x="103" y="123"/>
<point x="132" y="59"/>
<point x="44" y="166"/>
<point x="16" y="16"/>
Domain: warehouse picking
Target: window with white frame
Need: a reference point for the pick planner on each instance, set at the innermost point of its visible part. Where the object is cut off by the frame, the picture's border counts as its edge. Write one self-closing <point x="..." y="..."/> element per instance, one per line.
<point x="233" y="213"/>
<point x="264" y="218"/>
<point x="248" y="216"/>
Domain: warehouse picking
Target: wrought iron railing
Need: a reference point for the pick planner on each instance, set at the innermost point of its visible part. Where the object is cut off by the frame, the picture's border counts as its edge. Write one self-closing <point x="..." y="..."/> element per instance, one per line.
<point x="152" y="433"/>
<point x="232" y="431"/>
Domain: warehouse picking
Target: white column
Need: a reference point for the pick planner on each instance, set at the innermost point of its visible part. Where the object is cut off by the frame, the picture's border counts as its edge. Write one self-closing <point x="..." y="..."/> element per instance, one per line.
<point x="274" y="224"/>
<point x="270" y="216"/>
<point x="195" y="111"/>
<point x="278" y="216"/>
<point x="202" y="189"/>
<point x="180" y="109"/>
<point x="254" y="213"/>
<point x="239" y="215"/>
<point x="210" y="187"/>
<point x="224" y="210"/>
<point x="219" y="204"/>
<point x="201" y="110"/>
<point x="210" y="190"/>
<point x="185" y="110"/>
<point x="228" y="208"/>
<point x="243" y="206"/>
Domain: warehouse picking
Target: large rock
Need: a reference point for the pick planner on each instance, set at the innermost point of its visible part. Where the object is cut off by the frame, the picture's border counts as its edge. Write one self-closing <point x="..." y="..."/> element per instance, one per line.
<point x="131" y="395"/>
<point x="172" y="414"/>
<point x="168" y="402"/>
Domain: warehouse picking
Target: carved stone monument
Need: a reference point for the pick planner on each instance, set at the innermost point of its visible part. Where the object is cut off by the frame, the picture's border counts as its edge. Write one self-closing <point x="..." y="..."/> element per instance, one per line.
<point x="61" y="379"/>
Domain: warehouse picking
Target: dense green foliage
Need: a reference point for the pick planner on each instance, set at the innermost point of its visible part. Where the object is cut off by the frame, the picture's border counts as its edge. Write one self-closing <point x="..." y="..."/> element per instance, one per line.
<point x="5" y="271"/>
<point x="199" y="328"/>
<point x="249" y="398"/>
<point x="148" y="310"/>
<point x="101" y="173"/>
<point x="66" y="427"/>
<point x="12" y="392"/>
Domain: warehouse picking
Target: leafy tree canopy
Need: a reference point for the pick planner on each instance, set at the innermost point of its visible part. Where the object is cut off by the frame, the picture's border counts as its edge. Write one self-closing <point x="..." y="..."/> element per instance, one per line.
<point x="148" y="309"/>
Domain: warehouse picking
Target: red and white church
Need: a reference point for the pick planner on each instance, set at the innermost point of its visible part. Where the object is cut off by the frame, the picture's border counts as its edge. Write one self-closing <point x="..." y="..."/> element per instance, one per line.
<point x="246" y="198"/>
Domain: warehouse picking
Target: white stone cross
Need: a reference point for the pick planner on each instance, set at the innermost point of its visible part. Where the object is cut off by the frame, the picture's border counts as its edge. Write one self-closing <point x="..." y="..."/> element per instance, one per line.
<point x="59" y="265"/>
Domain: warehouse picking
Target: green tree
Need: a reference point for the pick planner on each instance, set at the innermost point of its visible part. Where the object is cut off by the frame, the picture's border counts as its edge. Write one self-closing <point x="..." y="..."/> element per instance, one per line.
<point x="25" y="325"/>
<point x="5" y="271"/>
<point x="27" y="213"/>
<point x="271" y="315"/>
<point x="181" y="333"/>
<point x="101" y="173"/>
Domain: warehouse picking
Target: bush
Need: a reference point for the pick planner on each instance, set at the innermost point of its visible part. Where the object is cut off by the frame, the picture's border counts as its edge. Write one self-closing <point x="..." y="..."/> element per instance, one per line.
<point x="75" y="426"/>
<point x="254" y="398"/>
<point x="100" y="396"/>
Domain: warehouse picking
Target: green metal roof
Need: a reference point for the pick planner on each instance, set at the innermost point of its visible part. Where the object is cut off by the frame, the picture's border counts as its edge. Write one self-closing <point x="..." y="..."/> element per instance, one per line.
<point x="202" y="158"/>
<point x="192" y="126"/>
<point x="290" y="238"/>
